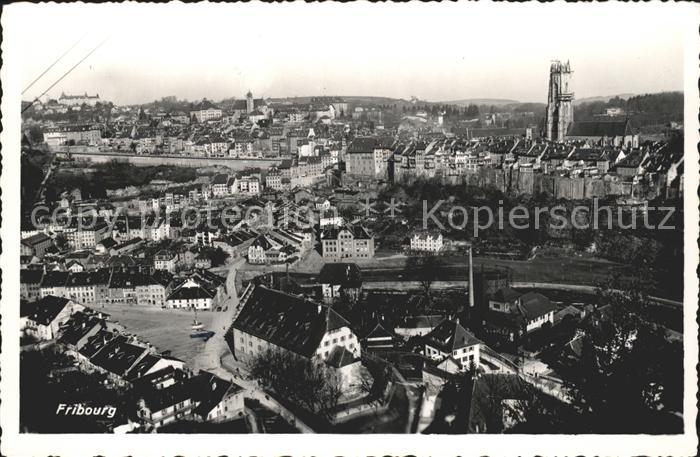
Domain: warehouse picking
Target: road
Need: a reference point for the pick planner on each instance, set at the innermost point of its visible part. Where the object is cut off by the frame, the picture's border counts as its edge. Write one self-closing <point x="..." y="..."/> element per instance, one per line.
<point x="209" y="358"/>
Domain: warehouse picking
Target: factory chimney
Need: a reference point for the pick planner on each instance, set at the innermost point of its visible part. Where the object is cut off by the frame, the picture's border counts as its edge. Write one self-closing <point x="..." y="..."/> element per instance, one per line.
<point x="471" y="278"/>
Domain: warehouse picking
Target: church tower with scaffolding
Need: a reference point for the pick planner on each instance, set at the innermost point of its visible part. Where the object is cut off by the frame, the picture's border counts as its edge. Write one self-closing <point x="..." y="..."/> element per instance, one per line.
<point x="560" y="110"/>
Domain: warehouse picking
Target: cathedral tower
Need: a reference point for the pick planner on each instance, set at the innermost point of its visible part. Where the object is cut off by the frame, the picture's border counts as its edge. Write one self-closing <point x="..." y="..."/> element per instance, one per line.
<point x="560" y="110"/>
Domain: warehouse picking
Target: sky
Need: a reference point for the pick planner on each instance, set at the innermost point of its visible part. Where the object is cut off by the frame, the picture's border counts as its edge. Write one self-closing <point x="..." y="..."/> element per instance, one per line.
<point x="434" y="51"/>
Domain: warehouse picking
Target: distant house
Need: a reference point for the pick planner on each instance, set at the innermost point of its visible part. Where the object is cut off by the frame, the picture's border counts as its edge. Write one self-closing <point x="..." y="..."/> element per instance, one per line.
<point x="515" y="314"/>
<point x="221" y="185"/>
<point x="30" y="284"/>
<point x="35" y="245"/>
<point x="202" y="261"/>
<point x="205" y="110"/>
<point x="369" y="156"/>
<point x="43" y="318"/>
<point x="417" y="325"/>
<point x="427" y="241"/>
<point x="268" y="250"/>
<point x="165" y="396"/>
<point x="53" y="283"/>
<point x="217" y="400"/>
<point x="82" y="326"/>
<point x="74" y="266"/>
<point x="340" y="280"/>
<point x="117" y="357"/>
<point x="152" y="363"/>
<point x="86" y="236"/>
<point x="202" y="290"/>
<point x="379" y="338"/>
<point x="451" y="340"/>
<point x="165" y="260"/>
<point x="349" y="242"/>
<point x="104" y="246"/>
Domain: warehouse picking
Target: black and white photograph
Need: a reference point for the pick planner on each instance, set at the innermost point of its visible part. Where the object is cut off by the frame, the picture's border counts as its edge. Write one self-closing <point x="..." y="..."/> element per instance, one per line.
<point x="467" y="223"/>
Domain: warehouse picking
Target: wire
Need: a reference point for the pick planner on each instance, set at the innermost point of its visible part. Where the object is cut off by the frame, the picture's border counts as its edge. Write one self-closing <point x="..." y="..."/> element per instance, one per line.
<point x="52" y="65"/>
<point x="65" y="74"/>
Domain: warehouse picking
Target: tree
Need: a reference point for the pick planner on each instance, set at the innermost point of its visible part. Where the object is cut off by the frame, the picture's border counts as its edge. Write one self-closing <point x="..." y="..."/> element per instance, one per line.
<point x="628" y="371"/>
<point x="374" y="387"/>
<point x="309" y="383"/>
<point x="425" y="270"/>
<point x="218" y="257"/>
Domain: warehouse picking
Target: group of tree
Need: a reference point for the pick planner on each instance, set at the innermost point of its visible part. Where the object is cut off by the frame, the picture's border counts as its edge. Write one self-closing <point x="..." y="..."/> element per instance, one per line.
<point x="114" y="175"/>
<point x="469" y="111"/>
<point x="629" y="378"/>
<point x="308" y="383"/>
<point x="647" y="109"/>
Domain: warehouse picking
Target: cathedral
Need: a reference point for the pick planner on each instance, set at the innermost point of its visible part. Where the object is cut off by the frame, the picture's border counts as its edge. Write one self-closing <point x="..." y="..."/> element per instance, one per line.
<point x="560" y="110"/>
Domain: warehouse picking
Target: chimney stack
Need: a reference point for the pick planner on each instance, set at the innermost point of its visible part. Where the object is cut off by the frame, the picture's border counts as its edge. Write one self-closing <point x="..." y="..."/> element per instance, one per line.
<point x="471" y="278"/>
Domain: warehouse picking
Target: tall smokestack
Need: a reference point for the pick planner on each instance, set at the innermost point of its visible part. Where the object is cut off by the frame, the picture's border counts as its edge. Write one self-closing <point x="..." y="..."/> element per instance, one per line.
<point x="471" y="278"/>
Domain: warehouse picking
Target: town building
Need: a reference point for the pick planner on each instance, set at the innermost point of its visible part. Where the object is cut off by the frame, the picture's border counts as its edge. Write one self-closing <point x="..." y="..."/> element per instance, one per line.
<point x="76" y="100"/>
<point x="427" y="241"/>
<point x="42" y="319"/>
<point x="340" y="280"/>
<point x="35" y="245"/>
<point x="165" y="260"/>
<point x="205" y="111"/>
<point x="274" y="320"/>
<point x="512" y="314"/>
<point x="30" y="284"/>
<point x="451" y="340"/>
<point x="349" y="242"/>
<point x="368" y="157"/>
<point x="202" y="290"/>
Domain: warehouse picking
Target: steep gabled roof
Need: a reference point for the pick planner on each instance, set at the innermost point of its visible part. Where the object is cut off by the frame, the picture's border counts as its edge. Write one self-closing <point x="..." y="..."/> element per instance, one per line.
<point x="533" y="305"/>
<point x="46" y="309"/>
<point x="450" y="336"/>
<point x="599" y="128"/>
<point x="118" y="356"/>
<point x="55" y="279"/>
<point x="209" y="390"/>
<point x="506" y="294"/>
<point x="288" y="321"/>
<point x="340" y="357"/>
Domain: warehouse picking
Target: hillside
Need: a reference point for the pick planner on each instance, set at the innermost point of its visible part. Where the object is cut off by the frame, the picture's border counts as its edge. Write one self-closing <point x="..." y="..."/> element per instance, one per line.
<point x="482" y="101"/>
<point x="642" y="110"/>
<point x="356" y="99"/>
<point x="602" y="98"/>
